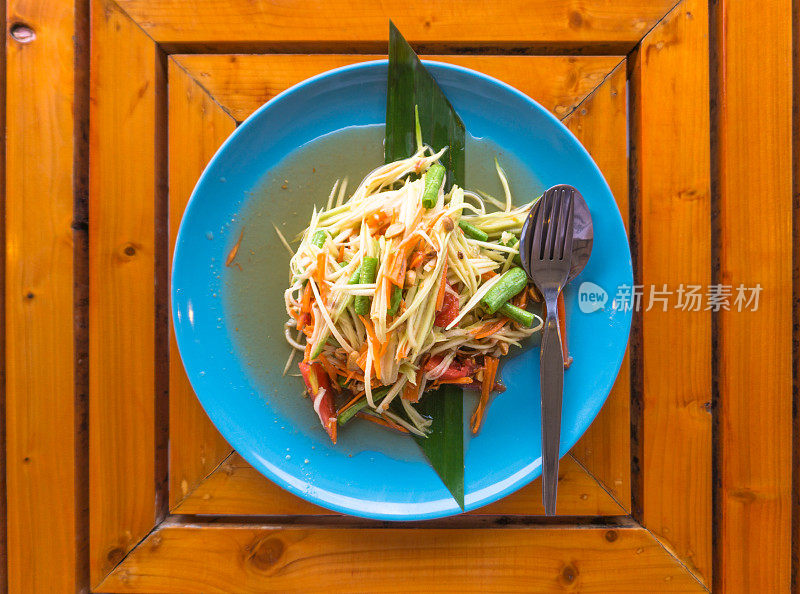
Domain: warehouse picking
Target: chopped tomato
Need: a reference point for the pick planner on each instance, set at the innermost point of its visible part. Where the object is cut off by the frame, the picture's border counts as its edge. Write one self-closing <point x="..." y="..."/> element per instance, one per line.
<point x="448" y="311"/>
<point x="316" y="379"/>
<point x="456" y="370"/>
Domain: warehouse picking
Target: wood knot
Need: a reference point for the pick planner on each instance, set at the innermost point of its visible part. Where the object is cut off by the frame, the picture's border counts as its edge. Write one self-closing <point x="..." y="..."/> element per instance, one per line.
<point x="569" y="574"/>
<point x="155" y="542"/>
<point x="22" y="33"/>
<point x="611" y="535"/>
<point x="29" y="295"/>
<point x="126" y="252"/>
<point x="115" y="555"/>
<point x="265" y="553"/>
<point x="575" y="19"/>
<point x="744" y="494"/>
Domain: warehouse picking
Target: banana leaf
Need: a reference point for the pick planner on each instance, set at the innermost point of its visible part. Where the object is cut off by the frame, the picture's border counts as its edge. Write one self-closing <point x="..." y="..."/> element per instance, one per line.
<point x="412" y="89"/>
<point x="444" y="446"/>
<point x="415" y="103"/>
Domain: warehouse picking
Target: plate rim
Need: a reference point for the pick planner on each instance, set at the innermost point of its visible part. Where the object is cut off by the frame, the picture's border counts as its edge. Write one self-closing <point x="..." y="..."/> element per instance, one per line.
<point x="251" y="457"/>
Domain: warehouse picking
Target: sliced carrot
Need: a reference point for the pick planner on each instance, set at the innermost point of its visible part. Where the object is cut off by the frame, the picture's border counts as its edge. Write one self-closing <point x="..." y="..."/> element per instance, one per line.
<point x="378" y="349"/>
<point x="490" y="328"/>
<point x="333" y="429"/>
<point x="307" y="352"/>
<point x="489" y="374"/>
<point x="340" y="258"/>
<point x="391" y="261"/>
<point x="410" y="392"/>
<point x="376" y="363"/>
<point x="362" y="358"/>
<point x="400" y="274"/>
<point x="398" y="258"/>
<point x="235" y="250"/>
<point x="520" y="299"/>
<point x="359" y="395"/>
<point x="562" y="330"/>
<point x="302" y="321"/>
<point x="347" y="373"/>
<point x="329" y="368"/>
<point x="305" y="301"/>
<point x="416" y="259"/>
<point x="488" y="275"/>
<point x="370" y="330"/>
<point x="442" y="285"/>
<point x="319" y="273"/>
<point x="382" y="421"/>
<point x="351" y="375"/>
<point x="456" y="380"/>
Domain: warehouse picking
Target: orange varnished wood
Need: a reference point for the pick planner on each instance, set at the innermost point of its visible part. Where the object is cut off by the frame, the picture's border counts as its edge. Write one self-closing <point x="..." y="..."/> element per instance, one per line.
<point x="472" y="22"/>
<point x="671" y="139"/>
<point x="128" y="151"/>
<point x="125" y="80"/>
<point x="197" y="126"/>
<point x="755" y="348"/>
<point x="600" y="123"/>
<point x="242" y="83"/>
<point x="237" y="488"/>
<point x="219" y="558"/>
<point x="41" y="461"/>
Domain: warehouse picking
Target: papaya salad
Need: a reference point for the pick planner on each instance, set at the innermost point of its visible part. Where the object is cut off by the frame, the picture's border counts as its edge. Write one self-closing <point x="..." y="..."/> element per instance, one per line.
<point x="403" y="287"/>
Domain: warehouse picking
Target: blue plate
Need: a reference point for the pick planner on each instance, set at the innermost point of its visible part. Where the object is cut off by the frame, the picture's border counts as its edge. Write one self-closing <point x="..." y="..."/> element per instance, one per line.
<point x="372" y="473"/>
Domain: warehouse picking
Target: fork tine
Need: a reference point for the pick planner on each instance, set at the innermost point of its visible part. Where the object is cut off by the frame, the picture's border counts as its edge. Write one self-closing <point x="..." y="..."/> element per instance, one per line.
<point x="553" y="227"/>
<point x="566" y="243"/>
<point x="548" y="225"/>
<point x="538" y="232"/>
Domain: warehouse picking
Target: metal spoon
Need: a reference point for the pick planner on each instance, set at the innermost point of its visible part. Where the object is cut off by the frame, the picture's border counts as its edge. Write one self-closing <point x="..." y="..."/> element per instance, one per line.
<point x="582" y="238"/>
<point x="541" y="270"/>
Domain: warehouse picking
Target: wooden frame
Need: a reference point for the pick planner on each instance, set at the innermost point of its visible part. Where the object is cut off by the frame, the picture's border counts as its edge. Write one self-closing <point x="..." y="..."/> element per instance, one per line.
<point x="684" y="480"/>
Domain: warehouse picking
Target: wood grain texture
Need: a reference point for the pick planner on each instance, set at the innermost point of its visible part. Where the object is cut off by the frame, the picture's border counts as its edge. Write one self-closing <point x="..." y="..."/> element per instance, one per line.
<point x="247" y="559"/>
<point x="125" y="78"/>
<point x="39" y="344"/>
<point x="236" y="488"/>
<point x="197" y="126"/>
<point x="475" y="23"/>
<point x="601" y="124"/>
<point x="755" y="348"/>
<point x="671" y="138"/>
<point x="242" y="83"/>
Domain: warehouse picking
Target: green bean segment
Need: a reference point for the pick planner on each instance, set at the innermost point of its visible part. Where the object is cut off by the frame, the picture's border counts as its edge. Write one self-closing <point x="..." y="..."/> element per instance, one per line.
<point x="369" y="267"/>
<point x="517" y="314"/>
<point x="394" y="303"/>
<point x="433" y="181"/>
<point x="472" y="231"/>
<point x="512" y="282"/>
<point x="319" y="237"/>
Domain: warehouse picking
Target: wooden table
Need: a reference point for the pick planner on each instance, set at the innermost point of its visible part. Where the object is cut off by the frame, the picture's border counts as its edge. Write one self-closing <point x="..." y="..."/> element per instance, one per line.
<point x="117" y="482"/>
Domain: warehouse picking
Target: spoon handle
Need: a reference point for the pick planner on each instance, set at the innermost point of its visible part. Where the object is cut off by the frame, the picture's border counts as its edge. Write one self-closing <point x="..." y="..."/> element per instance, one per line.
<point x="552" y="385"/>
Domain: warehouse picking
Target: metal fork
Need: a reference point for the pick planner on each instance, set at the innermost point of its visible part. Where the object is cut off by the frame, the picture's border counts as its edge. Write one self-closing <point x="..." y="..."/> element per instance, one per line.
<point x="546" y="254"/>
